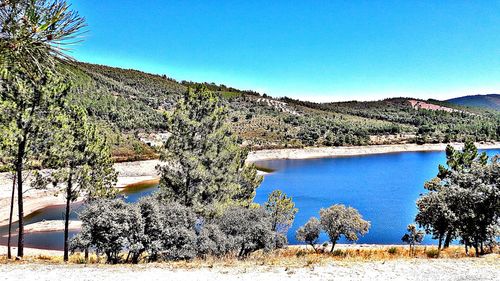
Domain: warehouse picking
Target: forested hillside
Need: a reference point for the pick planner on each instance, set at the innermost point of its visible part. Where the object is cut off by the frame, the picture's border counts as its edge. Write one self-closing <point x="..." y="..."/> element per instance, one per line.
<point x="131" y="105"/>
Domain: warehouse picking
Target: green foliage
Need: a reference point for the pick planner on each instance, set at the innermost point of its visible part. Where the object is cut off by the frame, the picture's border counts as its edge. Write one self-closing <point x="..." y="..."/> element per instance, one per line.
<point x="392" y="250"/>
<point x="170" y="231"/>
<point x="309" y="233"/>
<point x="109" y="226"/>
<point x="31" y="87"/>
<point x="204" y="166"/>
<point x="131" y="101"/>
<point x="463" y="199"/>
<point x="339" y="220"/>
<point x="248" y="229"/>
<point x="281" y="210"/>
<point x="412" y="237"/>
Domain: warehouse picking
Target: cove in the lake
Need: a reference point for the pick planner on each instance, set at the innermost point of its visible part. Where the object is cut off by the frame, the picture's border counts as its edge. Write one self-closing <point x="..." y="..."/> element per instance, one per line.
<point x="383" y="187"/>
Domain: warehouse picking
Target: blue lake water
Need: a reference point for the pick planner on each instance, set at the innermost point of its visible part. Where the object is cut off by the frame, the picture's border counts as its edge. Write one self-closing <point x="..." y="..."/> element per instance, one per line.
<point x="383" y="187"/>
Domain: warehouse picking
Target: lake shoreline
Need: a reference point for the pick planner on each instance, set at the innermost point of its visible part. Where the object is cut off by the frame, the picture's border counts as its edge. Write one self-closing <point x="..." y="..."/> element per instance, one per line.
<point x="346" y="151"/>
<point x="144" y="172"/>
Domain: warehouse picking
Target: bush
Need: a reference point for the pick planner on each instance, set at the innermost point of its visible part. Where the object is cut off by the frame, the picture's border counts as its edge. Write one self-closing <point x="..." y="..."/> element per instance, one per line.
<point x="248" y="230"/>
<point x="392" y="250"/>
<point x="110" y="226"/>
<point x="212" y="241"/>
<point x="178" y="234"/>
<point x="432" y="253"/>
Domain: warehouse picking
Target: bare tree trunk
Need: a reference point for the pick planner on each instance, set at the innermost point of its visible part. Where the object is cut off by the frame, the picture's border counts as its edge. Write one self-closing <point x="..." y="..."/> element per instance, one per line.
<point x="333" y="246"/>
<point x="69" y="187"/>
<point x="440" y="242"/>
<point x="20" y="207"/>
<point x="9" y="253"/>
<point x="86" y="255"/>
<point x="447" y="240"/>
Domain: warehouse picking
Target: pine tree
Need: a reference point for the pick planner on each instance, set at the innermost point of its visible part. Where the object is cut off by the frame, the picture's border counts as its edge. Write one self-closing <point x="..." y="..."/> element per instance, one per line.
<point x="32" y="33"/>
<point x="203" y="162"/>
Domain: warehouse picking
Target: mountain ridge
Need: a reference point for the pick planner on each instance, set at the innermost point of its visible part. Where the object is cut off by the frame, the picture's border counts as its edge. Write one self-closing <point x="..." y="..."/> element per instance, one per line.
<point x="488" y="101"/>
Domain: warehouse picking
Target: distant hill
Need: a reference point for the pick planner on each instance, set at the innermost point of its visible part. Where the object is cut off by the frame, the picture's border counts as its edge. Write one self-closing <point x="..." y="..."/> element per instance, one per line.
<point x="130" y="106"/>
<point x="491" y="101"/>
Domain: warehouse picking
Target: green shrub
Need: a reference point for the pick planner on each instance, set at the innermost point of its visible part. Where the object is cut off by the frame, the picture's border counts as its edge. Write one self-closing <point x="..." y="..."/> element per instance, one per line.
<point x="432" y="253"/>
<point x="392" y="250"/>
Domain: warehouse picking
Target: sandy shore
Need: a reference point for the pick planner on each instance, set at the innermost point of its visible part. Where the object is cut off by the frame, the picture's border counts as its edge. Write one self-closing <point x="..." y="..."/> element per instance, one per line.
<point x="323" y="152"/>
<point x="52" y="225"/>
<point x="411" y="269"/>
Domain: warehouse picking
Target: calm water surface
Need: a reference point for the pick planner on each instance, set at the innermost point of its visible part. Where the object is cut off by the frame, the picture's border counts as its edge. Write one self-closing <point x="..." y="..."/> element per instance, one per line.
<point x="382" y="187"/>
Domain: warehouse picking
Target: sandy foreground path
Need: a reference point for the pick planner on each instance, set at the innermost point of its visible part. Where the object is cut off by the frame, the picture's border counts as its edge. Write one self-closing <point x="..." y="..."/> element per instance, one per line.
<point x="440" y="269"/>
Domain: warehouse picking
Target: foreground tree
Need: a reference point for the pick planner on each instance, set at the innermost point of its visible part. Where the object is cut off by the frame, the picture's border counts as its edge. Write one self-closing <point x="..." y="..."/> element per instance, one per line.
<point x="339" y="220"/>
<point x="413" y="237"/>
<point x="474" y="198"/>
<point x="309" y="233"/>
<point x="436" y="217"/>
<point x="203" y="164"/>
<point x="82" y="160"/>
<point x="31" y="35"/>
<point x="463" y="201"/>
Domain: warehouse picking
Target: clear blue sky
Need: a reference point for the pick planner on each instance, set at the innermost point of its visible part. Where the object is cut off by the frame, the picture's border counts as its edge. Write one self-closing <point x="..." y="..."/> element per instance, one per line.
<point x="315" y="50"/>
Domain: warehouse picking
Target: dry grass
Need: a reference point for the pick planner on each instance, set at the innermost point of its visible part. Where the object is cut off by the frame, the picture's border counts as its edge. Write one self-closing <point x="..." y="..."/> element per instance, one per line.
<point x="291" y="257"/>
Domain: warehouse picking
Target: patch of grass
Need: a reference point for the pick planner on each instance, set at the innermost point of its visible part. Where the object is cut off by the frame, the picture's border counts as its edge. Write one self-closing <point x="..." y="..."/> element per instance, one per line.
<point x="291" y="257"/>
<point x="339" y="253"/>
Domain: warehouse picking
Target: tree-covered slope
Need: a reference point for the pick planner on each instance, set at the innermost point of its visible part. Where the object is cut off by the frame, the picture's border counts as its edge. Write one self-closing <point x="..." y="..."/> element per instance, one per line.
<point x="491" y="101"/>
<point x="131" y="103"/>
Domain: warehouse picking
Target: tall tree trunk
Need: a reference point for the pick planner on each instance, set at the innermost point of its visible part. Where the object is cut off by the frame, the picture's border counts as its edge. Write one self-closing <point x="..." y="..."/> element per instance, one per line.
<point x="20" y="208"/>
<point x="447" y="240"/>
<point x="9" y="253"/>
<point x="440" y="242"/>
<point x="69" y="188"/>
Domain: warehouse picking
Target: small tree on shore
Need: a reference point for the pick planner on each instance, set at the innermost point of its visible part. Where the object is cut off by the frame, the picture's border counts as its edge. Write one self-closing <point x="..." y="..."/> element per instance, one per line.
<point x="339" y="220"/>
<point x="413" y="237"/>
<point x="309" y="232"/>
<point x="281" y="211"/>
